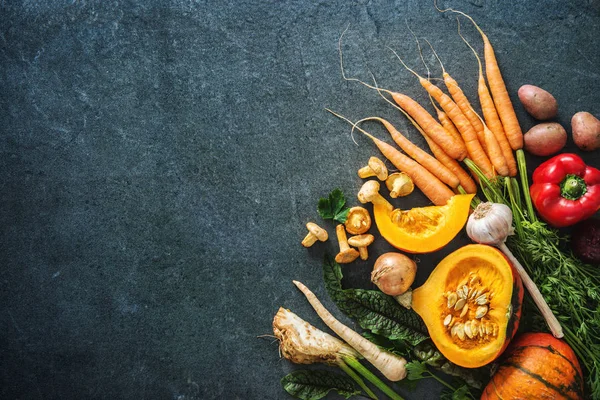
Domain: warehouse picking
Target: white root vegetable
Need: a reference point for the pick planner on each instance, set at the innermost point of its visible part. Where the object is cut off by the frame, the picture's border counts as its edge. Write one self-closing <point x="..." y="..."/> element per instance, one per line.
<point x="491" y="223"/>
<point x="393" y="367"/>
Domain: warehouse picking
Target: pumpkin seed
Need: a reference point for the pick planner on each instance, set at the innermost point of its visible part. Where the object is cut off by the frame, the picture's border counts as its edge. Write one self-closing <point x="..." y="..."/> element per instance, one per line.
<point x="495" y="332"/>
<point x="453" y="330"/>
<point x="464" y="310"/>
<point x="482" y="300"/>
<point x="488" y="329"/>
<point x="460" y="304"/>
<point x="474" y="280"/>
<point x="481" y="330"/>
<point x="474" y="294"/>
<point x="448" y="319"/>
<point x="460" y="331"/>
<point x="481" y="311"/>
<point x="468" y="330"/>
<point x="452" y="297"/>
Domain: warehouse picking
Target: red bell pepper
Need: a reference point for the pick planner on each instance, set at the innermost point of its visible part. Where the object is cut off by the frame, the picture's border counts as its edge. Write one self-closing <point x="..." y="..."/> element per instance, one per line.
<point x="565" y="190"/>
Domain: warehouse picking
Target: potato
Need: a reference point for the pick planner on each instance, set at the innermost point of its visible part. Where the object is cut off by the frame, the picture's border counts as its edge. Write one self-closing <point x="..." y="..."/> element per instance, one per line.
<point x="586" y="131"/>
<point x="545" y="139"/>
<point x="538" y="103"/>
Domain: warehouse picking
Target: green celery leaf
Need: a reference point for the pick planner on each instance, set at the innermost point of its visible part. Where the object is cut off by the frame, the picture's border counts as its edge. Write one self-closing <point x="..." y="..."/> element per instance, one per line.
<point x="315" y="384"/>
<point x="416" y="370"/>
<point x="372" y="309"/>
<point x="333" y="207"/>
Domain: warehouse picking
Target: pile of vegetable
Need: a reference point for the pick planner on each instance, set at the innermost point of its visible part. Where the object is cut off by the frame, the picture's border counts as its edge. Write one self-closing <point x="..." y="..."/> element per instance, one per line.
<point x="466" y="319"/>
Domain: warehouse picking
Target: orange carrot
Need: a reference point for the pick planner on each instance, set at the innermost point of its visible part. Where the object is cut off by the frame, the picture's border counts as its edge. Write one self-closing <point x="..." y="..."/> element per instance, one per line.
<point x="492" y="120"/>
<point x="495" y="153"/>
<point x="446" y="121"/>
<point x="420" y="156"/>
<point x="454" y="148"/>
<point x="460" y="99"/>
<point x="429" y="184"/>
<point x="502" y="101"/>
<point x="466" y="182"/>
<point x="474" y="149"/>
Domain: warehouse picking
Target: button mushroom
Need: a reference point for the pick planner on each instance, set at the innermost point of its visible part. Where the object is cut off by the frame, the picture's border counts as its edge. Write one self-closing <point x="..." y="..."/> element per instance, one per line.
<point x="369" y="193"/>
<point x="315" y="232"/>
<point x="375" y="167"/>
<point x="358" y="221"/>
<point x="361" y="242"/>
<point x="347" y="254"/>
<point x="399" y="184"/>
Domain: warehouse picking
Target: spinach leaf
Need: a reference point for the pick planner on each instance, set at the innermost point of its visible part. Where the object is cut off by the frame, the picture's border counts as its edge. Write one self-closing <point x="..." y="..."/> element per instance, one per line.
<point x="333" y="206"/>
<point x="315" y="384"/>
<point x="372" y="309"/>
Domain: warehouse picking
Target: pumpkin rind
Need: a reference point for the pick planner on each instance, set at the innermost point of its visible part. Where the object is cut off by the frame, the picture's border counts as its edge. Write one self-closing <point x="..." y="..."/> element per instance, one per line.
<point x="537" y="366"/>
<point x="426" y="229"/>
<point x="500" y="283"/>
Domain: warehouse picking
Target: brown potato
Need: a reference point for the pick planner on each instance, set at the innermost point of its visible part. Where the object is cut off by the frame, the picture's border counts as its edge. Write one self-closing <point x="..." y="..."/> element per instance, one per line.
<point x="538" y="103"/>
<point x="586" y="131"/>
<point x="545" y="139"/>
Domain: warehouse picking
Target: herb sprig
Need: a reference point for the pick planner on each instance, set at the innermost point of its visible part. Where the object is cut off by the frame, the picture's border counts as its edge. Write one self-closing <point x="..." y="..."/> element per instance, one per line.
<point x="333" y="206"/>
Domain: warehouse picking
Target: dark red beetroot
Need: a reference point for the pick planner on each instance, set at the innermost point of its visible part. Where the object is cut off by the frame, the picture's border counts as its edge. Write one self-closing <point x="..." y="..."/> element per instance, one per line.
<point x="585" y="241"/>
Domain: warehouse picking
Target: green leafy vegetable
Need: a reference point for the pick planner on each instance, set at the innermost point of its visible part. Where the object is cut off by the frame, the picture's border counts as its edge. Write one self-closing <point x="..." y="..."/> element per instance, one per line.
<point x="372" y="309"/>
<point x="333" y="207"/>
<point x="570" y="287"/>
<point x="315" y="384"/>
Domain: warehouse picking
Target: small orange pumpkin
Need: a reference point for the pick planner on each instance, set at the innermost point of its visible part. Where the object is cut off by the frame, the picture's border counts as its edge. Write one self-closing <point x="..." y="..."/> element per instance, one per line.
<point x="471" y="304"/>
<point x="536" y="366"/>
<point x="423" y="229"/>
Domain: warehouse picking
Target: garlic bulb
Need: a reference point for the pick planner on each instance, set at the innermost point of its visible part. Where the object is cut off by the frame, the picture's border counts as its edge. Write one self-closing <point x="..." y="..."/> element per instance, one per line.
<point x="490" y="223"/>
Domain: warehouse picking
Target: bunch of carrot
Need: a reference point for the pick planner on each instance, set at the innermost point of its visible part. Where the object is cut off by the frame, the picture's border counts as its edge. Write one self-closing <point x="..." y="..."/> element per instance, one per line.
<point x="484" y="144"/>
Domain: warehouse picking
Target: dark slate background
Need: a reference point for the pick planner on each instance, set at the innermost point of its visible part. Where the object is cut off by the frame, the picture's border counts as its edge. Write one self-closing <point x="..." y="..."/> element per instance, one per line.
<point x="159" y="161"/>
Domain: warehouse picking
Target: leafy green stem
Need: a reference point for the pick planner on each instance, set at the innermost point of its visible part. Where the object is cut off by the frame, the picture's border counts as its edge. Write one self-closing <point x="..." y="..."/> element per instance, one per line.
<point x="344" y="367"/>
<point x="522" y="165"/>
<point x="353" y="362"/>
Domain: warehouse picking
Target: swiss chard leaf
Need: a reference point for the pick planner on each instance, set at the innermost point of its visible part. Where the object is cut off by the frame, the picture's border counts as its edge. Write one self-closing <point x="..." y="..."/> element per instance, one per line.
<point x="315" y="384"/>
<point x="372" y="309"/>
<point x="333" y="206"/>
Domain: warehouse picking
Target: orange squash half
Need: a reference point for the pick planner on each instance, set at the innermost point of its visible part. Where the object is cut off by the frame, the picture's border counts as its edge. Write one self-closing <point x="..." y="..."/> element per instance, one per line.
<point x="471" y="304"/>
<point x="423" y="229"/>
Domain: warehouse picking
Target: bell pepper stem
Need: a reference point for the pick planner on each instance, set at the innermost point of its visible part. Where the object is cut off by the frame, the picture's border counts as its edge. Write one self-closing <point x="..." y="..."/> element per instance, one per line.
<point x="573" y="187"/>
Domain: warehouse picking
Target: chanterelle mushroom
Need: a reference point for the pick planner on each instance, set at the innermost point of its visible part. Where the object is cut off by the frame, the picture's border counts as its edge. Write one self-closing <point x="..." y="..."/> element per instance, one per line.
<point x="369" y="193"/>
<point x="361" y="242"/>
<point x="315" y="232"/>
<point x="399" y="184"/>
<point x="375" y="167"/>
<point x="358" y="221"/>
<point x="346" y="254"/>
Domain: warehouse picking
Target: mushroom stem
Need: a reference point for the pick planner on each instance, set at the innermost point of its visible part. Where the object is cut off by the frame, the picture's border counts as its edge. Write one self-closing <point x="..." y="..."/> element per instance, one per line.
<point x="369" y="192"/>
<point x="309" y="240"/>
<point x="340" y="231"/>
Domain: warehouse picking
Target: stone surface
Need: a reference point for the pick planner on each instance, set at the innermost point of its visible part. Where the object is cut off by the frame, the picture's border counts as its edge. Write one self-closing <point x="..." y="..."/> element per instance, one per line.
<point x="161" y="158"/>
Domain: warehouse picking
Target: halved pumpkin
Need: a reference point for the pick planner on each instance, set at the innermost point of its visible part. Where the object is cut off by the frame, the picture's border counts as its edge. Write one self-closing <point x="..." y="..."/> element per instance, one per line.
<point x="471" y="304"/>
<point x="423" y="229"/>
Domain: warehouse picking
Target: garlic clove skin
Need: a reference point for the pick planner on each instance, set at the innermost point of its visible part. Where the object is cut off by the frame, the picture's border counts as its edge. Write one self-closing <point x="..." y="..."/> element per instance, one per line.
<point x="490" y="223"/>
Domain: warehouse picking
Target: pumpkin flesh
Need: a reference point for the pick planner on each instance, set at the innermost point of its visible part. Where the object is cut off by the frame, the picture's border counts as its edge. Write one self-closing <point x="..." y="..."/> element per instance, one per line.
<point x="471" y="305"/>
<point x="423" y="229"/>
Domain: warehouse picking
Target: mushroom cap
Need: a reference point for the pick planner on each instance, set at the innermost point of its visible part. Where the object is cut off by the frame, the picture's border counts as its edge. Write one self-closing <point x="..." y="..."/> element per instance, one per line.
<point x="316" y="230"/>
<point x="347" y="256"/>
<point x="378" y="168"/>
<point x="361" y="240"/>
<point x="358" y="221"/>
<point x="406" y="184"/>
<point x="368" y="191"/>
